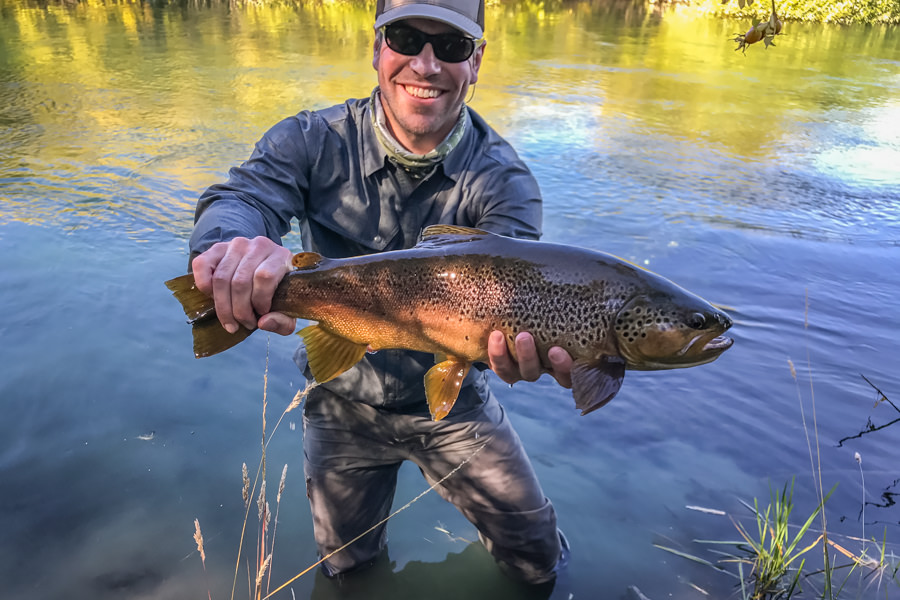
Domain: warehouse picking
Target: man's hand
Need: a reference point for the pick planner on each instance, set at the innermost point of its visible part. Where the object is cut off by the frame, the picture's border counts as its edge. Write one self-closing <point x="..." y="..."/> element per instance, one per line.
<point x="241" y="277"/>
<point x="528" y="367"/>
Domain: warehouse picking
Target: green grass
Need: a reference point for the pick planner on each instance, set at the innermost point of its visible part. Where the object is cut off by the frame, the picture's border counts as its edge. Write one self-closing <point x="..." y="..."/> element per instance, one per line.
<point x="770" y="562"/>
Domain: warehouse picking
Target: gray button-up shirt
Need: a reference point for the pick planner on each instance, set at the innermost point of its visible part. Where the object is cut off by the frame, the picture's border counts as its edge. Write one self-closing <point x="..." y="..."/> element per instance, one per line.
<point x="327" y="169"/>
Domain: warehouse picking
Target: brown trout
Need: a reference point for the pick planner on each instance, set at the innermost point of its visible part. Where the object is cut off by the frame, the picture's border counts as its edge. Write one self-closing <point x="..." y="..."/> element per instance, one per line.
<point x="447" y="294"/>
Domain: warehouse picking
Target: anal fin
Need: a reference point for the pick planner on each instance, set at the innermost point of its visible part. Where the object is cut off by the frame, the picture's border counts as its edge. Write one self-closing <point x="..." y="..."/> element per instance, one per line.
<point x="442" y="384"/>
<point x="329" y="354"/>
<point x="596" y="383"/>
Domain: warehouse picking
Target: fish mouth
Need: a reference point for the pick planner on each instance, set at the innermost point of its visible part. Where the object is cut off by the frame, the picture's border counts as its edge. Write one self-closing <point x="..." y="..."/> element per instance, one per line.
<point x="712" y="346"/>
<point x="699" y="350"/>
<point x="718" y="344"/>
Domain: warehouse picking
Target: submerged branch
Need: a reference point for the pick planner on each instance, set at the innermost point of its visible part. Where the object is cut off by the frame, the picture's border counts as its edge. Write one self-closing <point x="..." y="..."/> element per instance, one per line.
<point x="862" y="433"/>
<point x="870" y="427"/>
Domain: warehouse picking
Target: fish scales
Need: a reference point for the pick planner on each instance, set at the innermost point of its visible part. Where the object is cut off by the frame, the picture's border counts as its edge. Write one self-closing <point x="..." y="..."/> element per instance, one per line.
<point x="419" y="302"/>
<point x="458" y="284"/>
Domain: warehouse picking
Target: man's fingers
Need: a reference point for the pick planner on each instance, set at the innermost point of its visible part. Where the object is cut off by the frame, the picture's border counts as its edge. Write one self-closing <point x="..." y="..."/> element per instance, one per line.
<point x="561" y="363"/>
<point x="529" y="362"/>
<point x="267" y="276"/>
<point x="205" y="264"/>
<point x="240" y="290"/>
<point x="222" y="282"/>
<point x="501" y="362"/>
<point x="278" y="323"/>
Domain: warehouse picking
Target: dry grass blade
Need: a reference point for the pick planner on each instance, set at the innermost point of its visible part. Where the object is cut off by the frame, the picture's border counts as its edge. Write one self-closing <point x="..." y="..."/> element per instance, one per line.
<point x="198" y="537"/>
<point x="379" y="523"/>
<point x="280" y="487"/>
<point x="298" y="397"/>
<point x="245" y="491"/>
<point x="261" y="501"/>
<point x="275" y="528"/>
<point x="261" y="573"/>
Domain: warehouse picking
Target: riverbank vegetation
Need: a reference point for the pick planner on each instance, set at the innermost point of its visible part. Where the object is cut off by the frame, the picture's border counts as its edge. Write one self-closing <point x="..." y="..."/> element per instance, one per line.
<point x="869" y="12"/>
<point x="769" y="561"/>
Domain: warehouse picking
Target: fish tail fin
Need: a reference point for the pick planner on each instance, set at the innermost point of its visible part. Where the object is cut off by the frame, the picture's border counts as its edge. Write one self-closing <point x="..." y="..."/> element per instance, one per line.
<point x="209" y="335"/>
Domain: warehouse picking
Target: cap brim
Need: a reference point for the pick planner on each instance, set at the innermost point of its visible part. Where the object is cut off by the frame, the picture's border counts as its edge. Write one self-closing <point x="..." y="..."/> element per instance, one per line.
<point x="435" y="13"/>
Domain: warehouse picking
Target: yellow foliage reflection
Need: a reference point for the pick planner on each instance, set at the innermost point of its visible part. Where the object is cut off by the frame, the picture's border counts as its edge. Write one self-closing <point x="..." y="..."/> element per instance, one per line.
<point x="135" y="107"/>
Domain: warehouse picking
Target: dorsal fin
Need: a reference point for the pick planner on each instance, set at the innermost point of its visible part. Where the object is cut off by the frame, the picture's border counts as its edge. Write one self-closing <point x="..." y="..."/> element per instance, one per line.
<point x="442" y="229"/>
<point x="437" y="235"/>
<point x="306" y="260"/>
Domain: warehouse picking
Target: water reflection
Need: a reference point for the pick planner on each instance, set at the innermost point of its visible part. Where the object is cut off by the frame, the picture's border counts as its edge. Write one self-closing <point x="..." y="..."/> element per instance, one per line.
<point x="765" y="182"/>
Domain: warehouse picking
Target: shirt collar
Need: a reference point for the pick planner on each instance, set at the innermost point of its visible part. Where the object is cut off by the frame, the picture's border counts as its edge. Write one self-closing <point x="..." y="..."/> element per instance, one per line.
<point x="381" y="145"/>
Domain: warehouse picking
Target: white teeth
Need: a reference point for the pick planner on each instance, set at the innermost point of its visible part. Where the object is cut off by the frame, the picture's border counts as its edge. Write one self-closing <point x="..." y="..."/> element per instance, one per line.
<point x="421" y="92"/>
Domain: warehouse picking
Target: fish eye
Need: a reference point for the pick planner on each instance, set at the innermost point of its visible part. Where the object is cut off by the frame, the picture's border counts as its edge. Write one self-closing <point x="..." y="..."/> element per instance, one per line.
<point x="697" y="321"/>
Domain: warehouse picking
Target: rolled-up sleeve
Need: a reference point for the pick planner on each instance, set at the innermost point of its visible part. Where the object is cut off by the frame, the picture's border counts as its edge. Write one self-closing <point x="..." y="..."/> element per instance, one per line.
<point x="262" y="195"/>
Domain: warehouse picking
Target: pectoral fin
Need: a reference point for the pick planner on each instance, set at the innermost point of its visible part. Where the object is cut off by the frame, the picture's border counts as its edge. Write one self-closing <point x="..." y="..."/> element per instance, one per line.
<point x="442" y="384"/>
<point x="596" y="383"/>
<point x="329" y="354"/>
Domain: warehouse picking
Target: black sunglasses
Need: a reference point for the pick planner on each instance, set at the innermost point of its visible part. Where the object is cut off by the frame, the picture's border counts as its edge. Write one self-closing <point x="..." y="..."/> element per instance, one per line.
<point x="448" y="47"/>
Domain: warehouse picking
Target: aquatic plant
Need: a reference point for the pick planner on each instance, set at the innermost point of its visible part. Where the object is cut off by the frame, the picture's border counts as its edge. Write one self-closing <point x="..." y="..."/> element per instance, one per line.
<point x="265" y="543"/>
<point x="772" y="554"/>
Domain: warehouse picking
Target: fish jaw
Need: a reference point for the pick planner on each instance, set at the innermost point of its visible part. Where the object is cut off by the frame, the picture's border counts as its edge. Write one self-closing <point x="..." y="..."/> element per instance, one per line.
<point x="672" y="330"/>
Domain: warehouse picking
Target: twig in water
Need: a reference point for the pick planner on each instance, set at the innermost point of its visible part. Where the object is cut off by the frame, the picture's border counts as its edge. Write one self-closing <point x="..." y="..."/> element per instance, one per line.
<point x="275" y="528"/>
<point x="872" y="429"/>
<point x="866" y="432"/>
<point x="862" y="477"/>
<point x="881" y="395"/>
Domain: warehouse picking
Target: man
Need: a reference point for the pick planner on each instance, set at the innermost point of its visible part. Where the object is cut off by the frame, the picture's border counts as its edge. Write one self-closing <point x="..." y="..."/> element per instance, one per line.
<point x="366" y="176"/>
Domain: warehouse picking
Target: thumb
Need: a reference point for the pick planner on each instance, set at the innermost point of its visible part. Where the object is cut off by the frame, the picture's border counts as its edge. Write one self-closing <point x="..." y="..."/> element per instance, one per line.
<point x="277" y="323"/>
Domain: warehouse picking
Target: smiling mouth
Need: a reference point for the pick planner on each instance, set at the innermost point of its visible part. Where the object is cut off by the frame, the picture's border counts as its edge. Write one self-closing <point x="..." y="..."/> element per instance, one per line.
<point x="419" y="92"/>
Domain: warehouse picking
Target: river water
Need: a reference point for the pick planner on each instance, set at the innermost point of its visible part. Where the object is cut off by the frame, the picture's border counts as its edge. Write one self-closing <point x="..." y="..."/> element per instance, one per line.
<point x="766" y="182"/>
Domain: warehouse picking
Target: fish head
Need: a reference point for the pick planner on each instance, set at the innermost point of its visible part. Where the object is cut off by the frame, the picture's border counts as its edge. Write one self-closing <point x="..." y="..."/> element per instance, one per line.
<point x="670" y="329"/>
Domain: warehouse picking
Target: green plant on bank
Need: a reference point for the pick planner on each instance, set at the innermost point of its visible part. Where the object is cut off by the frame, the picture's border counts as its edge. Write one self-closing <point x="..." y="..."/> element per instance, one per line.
<point x="771" y="554"/>
<point x="770" y="561"/>
<point x="870" y="12"/>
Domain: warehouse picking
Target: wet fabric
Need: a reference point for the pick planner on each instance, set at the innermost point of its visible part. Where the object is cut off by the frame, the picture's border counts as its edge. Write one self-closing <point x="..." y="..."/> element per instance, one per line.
<point x="353" y="453"/>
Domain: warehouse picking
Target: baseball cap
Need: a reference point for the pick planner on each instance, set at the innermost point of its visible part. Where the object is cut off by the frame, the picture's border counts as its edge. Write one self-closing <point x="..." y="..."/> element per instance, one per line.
<point x="465" y="15"/>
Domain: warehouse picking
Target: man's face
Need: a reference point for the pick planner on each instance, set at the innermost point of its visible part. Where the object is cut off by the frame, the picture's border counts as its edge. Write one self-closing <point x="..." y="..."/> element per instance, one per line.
<point x="422" y="95"/>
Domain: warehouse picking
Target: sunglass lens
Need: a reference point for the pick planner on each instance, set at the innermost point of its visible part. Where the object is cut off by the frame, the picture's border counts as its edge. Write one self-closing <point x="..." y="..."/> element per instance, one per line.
<point x="452" y="48"/>
<point x="404" y="40"/>
<point x="448" y="47"/>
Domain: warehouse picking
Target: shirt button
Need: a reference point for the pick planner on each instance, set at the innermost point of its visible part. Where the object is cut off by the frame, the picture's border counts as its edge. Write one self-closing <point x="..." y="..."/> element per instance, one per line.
<point x="377" y="239"/>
